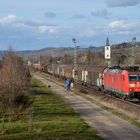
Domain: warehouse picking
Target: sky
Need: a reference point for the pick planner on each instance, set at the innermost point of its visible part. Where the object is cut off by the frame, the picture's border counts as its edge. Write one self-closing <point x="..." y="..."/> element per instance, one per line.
<point x="36" y="24"/>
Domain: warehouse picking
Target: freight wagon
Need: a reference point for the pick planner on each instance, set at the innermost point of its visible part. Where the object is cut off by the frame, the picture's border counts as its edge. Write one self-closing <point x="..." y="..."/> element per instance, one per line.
<point x="122" y="82"/>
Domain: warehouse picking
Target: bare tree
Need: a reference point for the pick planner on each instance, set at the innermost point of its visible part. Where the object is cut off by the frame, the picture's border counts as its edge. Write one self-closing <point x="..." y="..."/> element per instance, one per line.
<point x="14" y="83"/>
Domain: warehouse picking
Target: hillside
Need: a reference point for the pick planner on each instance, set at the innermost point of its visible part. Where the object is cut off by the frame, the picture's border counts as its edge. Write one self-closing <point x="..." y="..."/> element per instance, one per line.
<point x="55" y="52"/>
<point x="85" y="55"/>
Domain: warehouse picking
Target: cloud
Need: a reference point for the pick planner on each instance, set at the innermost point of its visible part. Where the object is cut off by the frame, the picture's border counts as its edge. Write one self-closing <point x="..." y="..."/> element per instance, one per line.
<point x="19" y="31"/>
<point x="20" y="21"/>
<point x="10" y="19"/>
<point x="50" y="15"/>
<point x="122" y="27"/>
<point x="47" y="29"/>
<point x="78" y="17"/>
<point x="122" y="3"/>
<point x="89" y="32"/>
<point x="121" y="24"/>
<point x="101" y="13"/>
<point x="124" y="32"/>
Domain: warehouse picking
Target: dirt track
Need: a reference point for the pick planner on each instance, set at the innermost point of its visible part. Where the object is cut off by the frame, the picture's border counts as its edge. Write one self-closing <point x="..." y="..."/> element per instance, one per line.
<point x="108" y="125"/>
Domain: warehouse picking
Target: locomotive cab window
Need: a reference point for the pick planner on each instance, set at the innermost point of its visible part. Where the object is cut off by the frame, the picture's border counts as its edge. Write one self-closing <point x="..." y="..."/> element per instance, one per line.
<point x="138" y="77"/>
<point x="134" y="77"/>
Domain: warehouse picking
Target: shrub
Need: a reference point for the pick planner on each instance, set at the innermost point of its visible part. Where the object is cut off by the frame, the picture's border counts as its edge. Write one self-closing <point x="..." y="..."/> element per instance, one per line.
<point x="14" y="84"/>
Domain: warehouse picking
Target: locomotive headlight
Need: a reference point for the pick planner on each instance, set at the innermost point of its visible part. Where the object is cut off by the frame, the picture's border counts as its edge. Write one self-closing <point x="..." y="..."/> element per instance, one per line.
<point x="132" y="85"/>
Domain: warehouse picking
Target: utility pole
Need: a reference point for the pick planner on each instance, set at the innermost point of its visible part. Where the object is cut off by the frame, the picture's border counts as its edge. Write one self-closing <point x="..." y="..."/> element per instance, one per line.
<point x="89" y="56"/>
<point x="75" y="69"/>
<point x="133" y="51"/>
<point x="53" y="62"/>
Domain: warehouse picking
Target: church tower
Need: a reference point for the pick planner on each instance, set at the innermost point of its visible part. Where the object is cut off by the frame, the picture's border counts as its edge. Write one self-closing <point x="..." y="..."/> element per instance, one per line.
<point x="107" y="52"/>
<point x="107" y="49"/>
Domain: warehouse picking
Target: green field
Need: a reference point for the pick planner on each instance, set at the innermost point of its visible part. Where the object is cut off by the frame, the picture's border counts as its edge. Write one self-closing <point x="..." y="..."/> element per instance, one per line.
<point x="50" y="118"/>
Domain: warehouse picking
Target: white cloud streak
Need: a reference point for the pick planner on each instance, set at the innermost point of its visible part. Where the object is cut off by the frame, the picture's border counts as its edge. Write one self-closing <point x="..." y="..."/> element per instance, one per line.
<point x="14" y="20"/>
<point x="123" y="27"/>
<point x="121" y="24"/>
<point x="47" y="29"/>
<point x="122" y="3"/>
<point x="10" y="19"/>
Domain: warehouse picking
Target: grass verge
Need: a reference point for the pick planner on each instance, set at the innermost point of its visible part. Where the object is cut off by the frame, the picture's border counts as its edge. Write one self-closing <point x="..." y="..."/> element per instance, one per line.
<point x="50" y="118"/>
<point x="115" y="112"/>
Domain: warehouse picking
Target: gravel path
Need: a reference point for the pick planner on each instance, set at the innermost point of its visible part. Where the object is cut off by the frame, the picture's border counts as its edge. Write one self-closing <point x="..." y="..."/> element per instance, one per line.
<point x="109" y="126"/>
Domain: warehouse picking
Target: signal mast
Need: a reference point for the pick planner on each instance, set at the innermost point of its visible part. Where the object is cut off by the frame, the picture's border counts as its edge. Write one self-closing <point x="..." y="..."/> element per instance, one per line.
<point x="75" y="69"/>
<point x="132" y="62"/>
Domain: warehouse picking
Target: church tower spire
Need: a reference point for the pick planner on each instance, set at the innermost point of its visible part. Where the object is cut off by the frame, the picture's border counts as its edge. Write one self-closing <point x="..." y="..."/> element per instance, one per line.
<point x="107" y="42"/>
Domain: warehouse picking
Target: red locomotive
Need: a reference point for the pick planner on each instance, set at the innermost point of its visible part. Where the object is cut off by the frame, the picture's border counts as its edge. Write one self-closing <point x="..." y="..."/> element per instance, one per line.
<point x="124" y="82"/>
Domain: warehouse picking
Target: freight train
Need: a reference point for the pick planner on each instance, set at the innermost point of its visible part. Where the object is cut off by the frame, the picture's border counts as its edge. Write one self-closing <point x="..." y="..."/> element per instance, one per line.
<point x="123" y="82"/>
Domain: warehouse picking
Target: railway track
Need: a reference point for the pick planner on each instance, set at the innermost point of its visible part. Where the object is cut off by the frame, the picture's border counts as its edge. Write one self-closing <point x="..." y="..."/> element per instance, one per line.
<point x="129" y="108"/>
<point x="90" y="90"/>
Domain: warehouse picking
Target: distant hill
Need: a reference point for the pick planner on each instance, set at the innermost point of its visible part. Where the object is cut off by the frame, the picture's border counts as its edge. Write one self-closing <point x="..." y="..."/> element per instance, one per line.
<point x="22" y="53"/>
<point x="54" y="51"/>
<point x="61" y="51"/>
<point x="126" y="44"/>
<point x="94" y="49"/>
